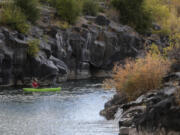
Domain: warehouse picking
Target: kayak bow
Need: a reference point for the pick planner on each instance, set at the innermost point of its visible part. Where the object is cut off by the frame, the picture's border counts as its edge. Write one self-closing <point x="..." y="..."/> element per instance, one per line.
<point x="42" y="89"/>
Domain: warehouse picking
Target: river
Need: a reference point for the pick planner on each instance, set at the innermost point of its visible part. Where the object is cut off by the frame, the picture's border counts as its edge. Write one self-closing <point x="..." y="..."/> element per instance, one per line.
<point x="73" y="111"/>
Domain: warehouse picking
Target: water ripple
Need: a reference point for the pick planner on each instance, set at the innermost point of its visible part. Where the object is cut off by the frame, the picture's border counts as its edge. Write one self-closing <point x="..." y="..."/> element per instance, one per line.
<point x="73" y="111"/>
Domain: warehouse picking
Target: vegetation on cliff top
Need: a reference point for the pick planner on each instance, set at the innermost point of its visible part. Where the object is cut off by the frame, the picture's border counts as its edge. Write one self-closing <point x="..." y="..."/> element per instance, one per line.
<point x="13" y="17"/>
<point x="68" y="10"/>
<point x="28" y="11"/>
<point x="90" y="7"/>
<point x="140" y="14"/>
<point x="17" y="13"/>
<point x="29" y="8"/>
<point x="133" y="13"/>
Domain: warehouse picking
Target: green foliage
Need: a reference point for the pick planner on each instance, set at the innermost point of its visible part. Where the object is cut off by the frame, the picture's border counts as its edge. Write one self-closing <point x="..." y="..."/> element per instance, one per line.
<point x="133" y="13"/>
<point x="161" y="14"/>
<point x="164" y="52"/>
<point x="173" y="50"/>
<point x="159" y="10"/>
<point x="63" y="25"/>
<point x="69" y="10"/>
<point x="141" y="13"/>
<point x="14" y="18"/>
<point x="90" y="7"/>
<point x="166" y="14"/>
<point x="33" y="47"/>
<point x="154" y="50"/>
<point x="29" y="8"/>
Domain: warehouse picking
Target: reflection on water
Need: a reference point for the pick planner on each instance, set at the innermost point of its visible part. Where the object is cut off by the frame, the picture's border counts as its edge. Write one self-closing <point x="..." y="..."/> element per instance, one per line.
<point x="73" y="111"/>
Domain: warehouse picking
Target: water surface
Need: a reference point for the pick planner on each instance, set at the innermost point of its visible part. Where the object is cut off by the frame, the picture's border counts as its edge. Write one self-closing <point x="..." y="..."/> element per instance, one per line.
<point x="73" y="111"/>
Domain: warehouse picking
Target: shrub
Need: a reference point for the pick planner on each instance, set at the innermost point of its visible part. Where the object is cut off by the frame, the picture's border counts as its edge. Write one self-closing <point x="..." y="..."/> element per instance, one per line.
<point x="29" y="8"/>
<point x="69" y="10"/>
<point x="164" y="14"/>
<point x="139" y="76"/>
<point x="33" y="47"/>
<point x="158" y="8"/>
<point x="14" y="18"/>
<point x="133" y="13"/>
<point x="141" y="13"/>
<point x="172" y="24"/>
<point x="90" y="7"/>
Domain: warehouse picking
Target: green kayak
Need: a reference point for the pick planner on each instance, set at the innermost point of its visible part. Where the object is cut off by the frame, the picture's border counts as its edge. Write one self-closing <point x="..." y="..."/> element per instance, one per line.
<point x="42" y="89"/>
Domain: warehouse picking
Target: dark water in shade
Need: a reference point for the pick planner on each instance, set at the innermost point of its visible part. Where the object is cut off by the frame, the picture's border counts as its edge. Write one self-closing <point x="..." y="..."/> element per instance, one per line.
<point x="73" y="111"/>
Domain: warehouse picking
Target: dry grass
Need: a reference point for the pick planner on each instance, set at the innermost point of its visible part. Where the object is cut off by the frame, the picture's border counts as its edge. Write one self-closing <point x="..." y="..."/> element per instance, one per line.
<point x="139" y="76"/>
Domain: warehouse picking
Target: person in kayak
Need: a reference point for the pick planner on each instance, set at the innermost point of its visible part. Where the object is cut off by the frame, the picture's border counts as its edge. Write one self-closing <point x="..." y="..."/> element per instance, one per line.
<point x="35" y="83"/>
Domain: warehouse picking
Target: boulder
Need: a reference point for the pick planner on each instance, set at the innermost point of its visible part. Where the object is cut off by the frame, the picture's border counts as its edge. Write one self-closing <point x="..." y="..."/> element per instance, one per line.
<point x="164" y="114"/>
<point x="102" y="20"/>
<point x="62" y="67"/>
<point x="111" y="107"/>
<point x="109" y="112"/>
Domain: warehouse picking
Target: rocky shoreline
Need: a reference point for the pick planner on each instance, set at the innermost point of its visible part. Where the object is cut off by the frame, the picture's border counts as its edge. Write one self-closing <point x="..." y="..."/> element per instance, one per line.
<point x="154" y="113"/>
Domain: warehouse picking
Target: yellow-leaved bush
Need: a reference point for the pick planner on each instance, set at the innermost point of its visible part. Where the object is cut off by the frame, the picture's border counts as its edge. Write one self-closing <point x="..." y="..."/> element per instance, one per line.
<point x="139" y="76"/>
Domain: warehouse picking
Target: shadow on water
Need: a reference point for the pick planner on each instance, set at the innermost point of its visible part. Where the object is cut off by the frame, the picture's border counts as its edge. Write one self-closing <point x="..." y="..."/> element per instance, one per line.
<point x="73" y="111"/>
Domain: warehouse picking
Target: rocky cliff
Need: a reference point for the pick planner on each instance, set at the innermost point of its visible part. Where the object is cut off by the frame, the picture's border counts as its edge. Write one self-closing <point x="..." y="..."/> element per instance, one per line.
<point x="154" y="113"/>
<point x="74" y="53"/>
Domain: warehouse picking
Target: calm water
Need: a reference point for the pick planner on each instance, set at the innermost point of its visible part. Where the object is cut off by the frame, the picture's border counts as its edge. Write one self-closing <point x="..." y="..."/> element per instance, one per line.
<point x="73" y="111"/>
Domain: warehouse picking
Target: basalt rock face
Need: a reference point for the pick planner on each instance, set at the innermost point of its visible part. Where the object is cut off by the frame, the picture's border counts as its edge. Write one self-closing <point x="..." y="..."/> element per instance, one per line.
<point x="65" y="54"/>
<point x="111" y="107"/>
<point x="154" y="113"/>
<point x="165" y="114"/>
